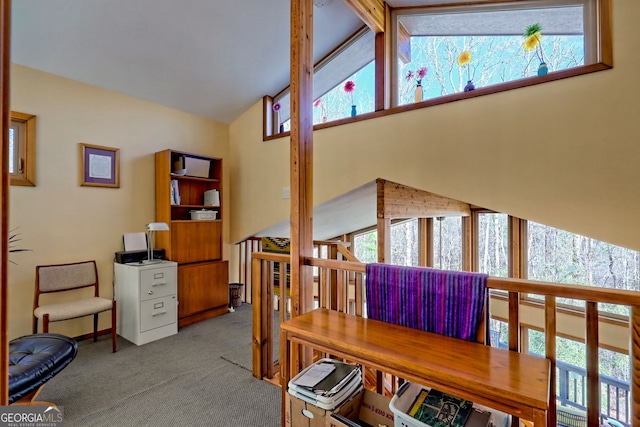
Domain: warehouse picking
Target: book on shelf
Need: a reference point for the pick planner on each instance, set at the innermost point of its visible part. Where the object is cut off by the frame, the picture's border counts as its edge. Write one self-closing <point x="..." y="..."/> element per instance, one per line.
<point x="175" y="192"/>
<point x="438" y="409"/>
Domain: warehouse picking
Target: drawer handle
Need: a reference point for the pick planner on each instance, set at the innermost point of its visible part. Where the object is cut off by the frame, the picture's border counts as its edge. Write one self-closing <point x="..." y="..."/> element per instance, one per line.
<point x="158" y="314"/>
<point x="159" y="284"/>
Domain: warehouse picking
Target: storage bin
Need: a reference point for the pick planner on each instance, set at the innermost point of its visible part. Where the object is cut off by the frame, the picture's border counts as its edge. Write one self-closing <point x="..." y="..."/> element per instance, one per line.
<point x="405" y="396"/>
<point x="204" y="214"/>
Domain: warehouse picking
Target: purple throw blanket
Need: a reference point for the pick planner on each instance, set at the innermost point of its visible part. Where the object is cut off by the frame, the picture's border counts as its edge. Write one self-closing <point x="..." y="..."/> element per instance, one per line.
<point x="449" y="303"/>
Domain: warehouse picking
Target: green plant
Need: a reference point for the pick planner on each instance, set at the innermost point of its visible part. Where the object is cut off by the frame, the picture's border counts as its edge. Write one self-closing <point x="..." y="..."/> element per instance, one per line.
<point x="13" y="239"/>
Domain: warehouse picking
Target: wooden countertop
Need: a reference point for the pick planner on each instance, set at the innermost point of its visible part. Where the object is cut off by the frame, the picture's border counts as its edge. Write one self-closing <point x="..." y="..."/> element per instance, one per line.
<point x="508" y="381"/>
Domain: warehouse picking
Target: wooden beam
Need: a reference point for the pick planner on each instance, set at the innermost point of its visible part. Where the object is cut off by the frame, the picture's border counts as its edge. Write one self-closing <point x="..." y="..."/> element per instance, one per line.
<point x="380" y="67"/>
<point x="5" y="68"/>
<point x="371" y="12"/>
<point x="401" y="201"/>
<point x="383" y="226"/>
<point x="404" y="44"/>
<point x="301" y="170"/>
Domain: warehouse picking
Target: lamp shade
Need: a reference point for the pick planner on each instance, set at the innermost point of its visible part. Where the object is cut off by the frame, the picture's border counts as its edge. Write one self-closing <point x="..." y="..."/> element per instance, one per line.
<point x="157" y="226"/>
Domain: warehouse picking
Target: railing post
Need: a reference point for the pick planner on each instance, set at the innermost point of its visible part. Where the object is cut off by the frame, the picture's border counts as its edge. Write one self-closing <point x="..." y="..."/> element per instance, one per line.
<point x="634" y="419"/>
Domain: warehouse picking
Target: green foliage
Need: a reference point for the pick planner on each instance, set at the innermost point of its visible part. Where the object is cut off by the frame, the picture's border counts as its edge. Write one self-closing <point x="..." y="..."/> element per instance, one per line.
<point x="532" y="29"/>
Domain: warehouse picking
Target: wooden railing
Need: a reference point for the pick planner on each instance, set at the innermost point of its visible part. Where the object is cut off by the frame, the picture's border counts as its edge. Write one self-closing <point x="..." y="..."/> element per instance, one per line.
<point x="341" y="287"/>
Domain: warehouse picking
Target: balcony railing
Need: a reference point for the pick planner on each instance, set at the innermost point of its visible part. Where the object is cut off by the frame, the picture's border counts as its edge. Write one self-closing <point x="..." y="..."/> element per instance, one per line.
<point x="572" y="382"/>
<point x="340" y="286"/>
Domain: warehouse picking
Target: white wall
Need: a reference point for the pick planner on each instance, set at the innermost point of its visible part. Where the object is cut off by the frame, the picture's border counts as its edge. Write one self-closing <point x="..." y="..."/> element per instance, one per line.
<point x="64" y="222"/>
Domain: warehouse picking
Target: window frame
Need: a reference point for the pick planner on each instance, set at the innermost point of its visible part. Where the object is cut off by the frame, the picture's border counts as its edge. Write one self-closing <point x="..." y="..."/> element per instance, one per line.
<point x="25" y="145"/>
<point x="604" y="61"/>
<point x="590" y="24"/>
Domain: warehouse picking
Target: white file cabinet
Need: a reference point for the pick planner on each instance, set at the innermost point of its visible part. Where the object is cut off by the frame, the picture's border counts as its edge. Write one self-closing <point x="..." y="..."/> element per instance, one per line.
<point x="147" y="302"/>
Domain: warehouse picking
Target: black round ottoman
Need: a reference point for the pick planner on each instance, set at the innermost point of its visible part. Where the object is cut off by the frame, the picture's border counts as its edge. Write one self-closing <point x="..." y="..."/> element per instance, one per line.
<point x="35" y="359"/>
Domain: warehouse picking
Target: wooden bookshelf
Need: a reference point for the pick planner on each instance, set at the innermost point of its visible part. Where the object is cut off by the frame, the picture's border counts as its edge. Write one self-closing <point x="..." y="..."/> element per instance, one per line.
<point x="196" y="245"/>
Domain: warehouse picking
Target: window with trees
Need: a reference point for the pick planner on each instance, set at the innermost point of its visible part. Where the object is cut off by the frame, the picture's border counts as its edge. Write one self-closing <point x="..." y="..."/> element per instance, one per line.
<point x="449" y="49"/>
<point x="559" y="256"/>
<point x="353" y="61"/>
<point x="493" y="244"/>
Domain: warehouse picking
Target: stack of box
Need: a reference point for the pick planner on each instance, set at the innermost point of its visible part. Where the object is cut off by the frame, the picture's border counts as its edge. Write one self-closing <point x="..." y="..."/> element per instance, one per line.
<point x="319" y="390"/>
<point x="327" y="383"/>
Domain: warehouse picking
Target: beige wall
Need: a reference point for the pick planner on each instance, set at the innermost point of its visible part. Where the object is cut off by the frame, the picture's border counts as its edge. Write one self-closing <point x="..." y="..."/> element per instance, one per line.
<point x="64" y="222"/>
<point x="564" y="153"/>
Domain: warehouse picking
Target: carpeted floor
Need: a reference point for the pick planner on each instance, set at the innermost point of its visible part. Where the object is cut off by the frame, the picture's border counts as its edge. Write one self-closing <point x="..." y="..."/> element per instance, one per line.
<point x="199" y="377"/>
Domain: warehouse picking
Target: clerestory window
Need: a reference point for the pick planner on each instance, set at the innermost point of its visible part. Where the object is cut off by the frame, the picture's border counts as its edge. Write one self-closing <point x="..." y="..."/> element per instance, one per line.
<point x="442" y="50"/>
<point x="353" y="61"/>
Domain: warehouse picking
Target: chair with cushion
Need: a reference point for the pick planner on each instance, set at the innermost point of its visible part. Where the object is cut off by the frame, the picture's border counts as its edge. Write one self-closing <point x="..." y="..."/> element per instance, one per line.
<point x="71" y="277"/>
<point x="34" y="360"/>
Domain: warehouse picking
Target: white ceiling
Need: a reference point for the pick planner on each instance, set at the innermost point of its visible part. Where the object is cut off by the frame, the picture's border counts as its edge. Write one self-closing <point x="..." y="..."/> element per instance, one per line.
<point x="211" y="58"/>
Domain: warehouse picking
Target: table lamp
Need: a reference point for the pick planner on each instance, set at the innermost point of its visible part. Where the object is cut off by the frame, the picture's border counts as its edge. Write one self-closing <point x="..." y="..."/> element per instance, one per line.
<point x="152" y="227"/>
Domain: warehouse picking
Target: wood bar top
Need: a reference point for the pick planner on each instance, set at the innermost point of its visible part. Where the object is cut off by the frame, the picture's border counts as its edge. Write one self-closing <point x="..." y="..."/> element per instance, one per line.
<point x="508" y="381"/>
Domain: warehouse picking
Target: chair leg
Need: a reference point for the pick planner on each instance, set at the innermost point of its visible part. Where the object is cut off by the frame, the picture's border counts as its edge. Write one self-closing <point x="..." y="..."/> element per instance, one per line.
<point x="95" y="327"/>
<point x="35" y="325"/>
<point x="45" y="323"/>
<point x="113" y="326"/>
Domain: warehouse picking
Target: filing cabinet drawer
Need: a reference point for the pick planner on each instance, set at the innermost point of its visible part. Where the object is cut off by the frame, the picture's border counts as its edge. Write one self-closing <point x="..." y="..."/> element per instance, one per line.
<point x="156" y="283"/>
<point x="158" y="312"/>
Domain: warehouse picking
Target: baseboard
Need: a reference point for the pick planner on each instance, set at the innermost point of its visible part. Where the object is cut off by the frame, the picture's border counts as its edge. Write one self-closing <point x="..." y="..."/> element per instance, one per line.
<point x="204" y="315"/>
<point x="90" y="335"/>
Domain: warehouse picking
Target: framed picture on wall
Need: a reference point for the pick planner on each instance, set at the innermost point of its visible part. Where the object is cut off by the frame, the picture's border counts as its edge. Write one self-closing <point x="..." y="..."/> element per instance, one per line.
<point x="99" y="166"/>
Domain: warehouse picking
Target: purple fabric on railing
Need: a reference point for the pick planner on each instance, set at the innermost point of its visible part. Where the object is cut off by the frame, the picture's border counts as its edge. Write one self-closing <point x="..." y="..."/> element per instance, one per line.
<point x="448" y="303"/>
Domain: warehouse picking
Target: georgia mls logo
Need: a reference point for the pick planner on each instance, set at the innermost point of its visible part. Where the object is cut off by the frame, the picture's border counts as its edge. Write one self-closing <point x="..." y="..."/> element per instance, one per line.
<point x="31" y="416"/>
<point x="53" y="408"/>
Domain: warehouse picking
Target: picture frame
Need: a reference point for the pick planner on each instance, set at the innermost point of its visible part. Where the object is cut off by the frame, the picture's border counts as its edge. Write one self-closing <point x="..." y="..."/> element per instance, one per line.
<point x="99" y="166"/>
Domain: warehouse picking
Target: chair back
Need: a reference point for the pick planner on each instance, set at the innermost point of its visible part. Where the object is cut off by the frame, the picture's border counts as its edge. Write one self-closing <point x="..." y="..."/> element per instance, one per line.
<point x="62" y="277"/>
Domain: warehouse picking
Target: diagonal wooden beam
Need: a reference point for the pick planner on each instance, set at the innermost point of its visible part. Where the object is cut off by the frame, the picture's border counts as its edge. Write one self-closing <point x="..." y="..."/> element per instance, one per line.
<point x="371" y="12"/>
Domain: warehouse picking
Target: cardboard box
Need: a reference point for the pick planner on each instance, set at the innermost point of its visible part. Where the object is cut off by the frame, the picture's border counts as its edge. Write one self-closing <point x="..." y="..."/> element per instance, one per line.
<point x="304" y="414"/>
<point x="365" y="405"/>
<point x="197" y="167"/>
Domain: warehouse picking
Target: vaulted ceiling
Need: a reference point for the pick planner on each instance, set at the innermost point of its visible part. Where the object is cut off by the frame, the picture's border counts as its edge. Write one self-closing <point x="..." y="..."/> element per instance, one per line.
<point x="211" y="58"/>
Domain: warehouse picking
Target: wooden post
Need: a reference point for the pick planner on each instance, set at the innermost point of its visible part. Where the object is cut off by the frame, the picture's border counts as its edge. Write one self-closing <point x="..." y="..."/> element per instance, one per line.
<point x="635" y="367"/>
<point x="5" y="67"/>
<point x="551" y="352"/>
<point x="593" y="365"/>
<point x="383" y="226"/>
<point x="301" y="158"/>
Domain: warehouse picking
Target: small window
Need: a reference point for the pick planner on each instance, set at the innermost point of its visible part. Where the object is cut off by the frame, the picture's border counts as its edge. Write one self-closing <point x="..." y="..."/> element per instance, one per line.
<point x="22" y="149"/>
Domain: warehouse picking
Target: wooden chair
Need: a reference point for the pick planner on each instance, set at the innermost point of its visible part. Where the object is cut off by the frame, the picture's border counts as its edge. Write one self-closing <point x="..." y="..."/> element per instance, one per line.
<point x="67" y="277"/>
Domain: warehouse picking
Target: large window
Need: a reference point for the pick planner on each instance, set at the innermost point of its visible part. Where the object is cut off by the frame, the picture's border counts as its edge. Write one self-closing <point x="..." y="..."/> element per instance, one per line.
<point x="467" y="47"/>
<point x="446" y="47"/>
<point x="560" y="256"/>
